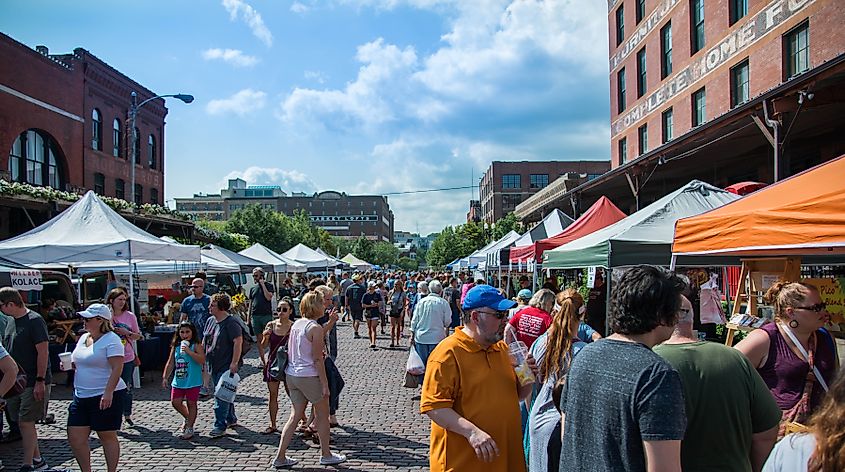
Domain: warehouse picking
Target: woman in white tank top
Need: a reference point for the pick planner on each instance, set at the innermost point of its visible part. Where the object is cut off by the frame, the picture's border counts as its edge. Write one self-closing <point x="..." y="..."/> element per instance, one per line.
<point x="305" y="377"/>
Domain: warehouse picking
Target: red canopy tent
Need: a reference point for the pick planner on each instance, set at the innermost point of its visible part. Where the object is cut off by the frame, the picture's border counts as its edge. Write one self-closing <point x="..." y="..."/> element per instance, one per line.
<point x="602" y="213"/>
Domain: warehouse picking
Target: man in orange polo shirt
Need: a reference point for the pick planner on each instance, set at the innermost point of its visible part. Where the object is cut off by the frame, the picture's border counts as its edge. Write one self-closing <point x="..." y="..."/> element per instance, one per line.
<point x="471" y="392"/>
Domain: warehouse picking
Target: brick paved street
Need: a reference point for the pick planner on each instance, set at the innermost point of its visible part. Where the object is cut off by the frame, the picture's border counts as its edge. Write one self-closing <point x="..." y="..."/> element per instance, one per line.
<point x="381" y="429"/>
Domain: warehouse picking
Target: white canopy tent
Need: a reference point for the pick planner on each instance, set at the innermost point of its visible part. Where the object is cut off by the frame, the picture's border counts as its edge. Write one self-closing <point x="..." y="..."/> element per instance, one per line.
<point x="279" y="262"/>
<point x="312" y="259"/>
<point x="356" y="263"/>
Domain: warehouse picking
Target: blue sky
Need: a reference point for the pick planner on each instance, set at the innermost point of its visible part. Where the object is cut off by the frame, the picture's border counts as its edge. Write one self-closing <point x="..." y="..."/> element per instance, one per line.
<point x="361" y="96"/>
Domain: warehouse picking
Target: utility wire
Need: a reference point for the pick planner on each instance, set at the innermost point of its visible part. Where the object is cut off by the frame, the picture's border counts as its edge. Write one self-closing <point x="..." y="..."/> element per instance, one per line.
<point x="429" y="190"/>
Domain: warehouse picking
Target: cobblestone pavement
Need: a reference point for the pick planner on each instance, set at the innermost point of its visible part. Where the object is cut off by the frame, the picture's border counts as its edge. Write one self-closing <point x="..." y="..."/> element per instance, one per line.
<point x="381" y="428"/>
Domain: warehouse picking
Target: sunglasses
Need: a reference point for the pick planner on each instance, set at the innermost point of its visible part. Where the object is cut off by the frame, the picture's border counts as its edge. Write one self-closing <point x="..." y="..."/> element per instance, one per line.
<point x="818" y="307"/>
<point x="284" y="310"/>
<point x="498" y="314"/>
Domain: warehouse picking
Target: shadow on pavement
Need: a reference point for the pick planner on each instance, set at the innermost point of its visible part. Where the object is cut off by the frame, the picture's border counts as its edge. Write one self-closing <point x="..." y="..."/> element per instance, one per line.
<point x="380" y="448"/>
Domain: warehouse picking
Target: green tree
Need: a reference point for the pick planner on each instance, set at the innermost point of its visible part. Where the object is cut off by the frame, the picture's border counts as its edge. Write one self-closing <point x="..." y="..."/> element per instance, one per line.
<point x="472" y="237"/>
<point x="342" y="245"/>
<point x="261" y="225"/>
<point x="231" y="241"/>
<point x="406" y="263"/>
<point x="384" y="254"/>
<point x="363" y="249"/>
<point x="505" y="225"/>
<point x="445" y="248"/>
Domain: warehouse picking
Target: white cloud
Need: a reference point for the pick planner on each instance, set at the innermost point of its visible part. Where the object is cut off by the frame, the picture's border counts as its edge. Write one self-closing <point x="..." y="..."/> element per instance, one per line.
<point x="247" y="14"/>
<point x="241" y="103"/>
<point x="289" y="180"/>
<point x="366" y="101"/>
<point x="299" y="8"/>
<point x="235" y="57"/>
<point x="316" y="76"/>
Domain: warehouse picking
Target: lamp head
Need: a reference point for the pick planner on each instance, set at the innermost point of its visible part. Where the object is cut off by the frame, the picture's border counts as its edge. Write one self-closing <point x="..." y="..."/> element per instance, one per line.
<point x="184" y="97"/>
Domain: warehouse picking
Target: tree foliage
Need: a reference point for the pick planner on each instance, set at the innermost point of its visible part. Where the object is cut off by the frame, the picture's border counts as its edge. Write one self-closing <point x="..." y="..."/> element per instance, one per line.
<point x="362" y="248"/>
<point x="384" y="254"/>
<point x="277" y="231"/>
<point x="232" y="241"/>
<point x="445" y="248"/>
<point x="505" y="225"/>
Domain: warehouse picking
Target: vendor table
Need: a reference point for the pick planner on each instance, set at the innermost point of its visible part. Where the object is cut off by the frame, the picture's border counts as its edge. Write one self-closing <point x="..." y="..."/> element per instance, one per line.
<point x="66" y="330"/>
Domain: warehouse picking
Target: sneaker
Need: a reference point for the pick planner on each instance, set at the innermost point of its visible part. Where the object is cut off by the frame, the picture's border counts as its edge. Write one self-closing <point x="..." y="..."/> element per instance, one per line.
<point x="284" y="463"/>
<point x="332" y="459"/>
<point x="217" y="433"/>
<point x="232" y="425"/>
<point x="357" y="336"/>
<point x="40" y="464"/>
<point x="187" y="434"/>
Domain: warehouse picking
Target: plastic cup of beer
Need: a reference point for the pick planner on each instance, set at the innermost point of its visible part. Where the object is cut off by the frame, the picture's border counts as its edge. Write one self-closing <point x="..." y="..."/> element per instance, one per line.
<point x="519" y="355"/>
<point x="65" y="363"/>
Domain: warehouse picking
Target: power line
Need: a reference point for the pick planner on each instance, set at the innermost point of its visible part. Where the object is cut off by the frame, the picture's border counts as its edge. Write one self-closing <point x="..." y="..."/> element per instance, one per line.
<point x="429" y="190"/>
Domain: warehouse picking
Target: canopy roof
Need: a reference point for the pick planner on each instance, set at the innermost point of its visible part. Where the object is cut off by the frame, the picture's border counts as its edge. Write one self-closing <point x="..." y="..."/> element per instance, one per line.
<point x="279" y="262"/>
<point x="356" y="263"/>
<point x="241" y="262"/>
<point x="90" y="231"/>
<point x="803" y="215"/>
<point x="601" y="214"/>
<point x="312" y="259"/>
<point x="644" y="237"/>
<point x="493" y="254"/>
<point x="552" y="224"/>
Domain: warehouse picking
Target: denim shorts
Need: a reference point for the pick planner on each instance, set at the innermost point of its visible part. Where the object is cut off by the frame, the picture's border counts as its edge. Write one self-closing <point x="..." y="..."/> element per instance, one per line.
<point x="87" y="412"/>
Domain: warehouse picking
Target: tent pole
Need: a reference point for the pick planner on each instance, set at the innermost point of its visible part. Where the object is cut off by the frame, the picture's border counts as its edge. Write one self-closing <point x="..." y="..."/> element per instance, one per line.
<point x="608" y="281"/>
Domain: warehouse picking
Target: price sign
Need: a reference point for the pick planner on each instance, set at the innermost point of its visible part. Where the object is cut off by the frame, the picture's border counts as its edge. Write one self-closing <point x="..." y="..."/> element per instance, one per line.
<point x="26" y="279"/>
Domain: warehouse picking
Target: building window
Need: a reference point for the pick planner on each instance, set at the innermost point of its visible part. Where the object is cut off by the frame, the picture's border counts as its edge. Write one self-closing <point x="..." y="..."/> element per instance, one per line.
<point x="139" y="194"/>
<point x="738" y="9"/>
<point x="696" y="25"/>
<point x="642" y="139"/>
<point x="99" y="183"/>
<point x="115" y="138"/>
<point x="120" y="189"/>
<point x="739" y="83"/>
<point x="620" y="24"/>
<point x="511" y="200"/>
<point x="154" y="196"/>
<point x="34" y="160"/>
<point x="151" y="151"/>
<point x="667" y="117"/>
<point x="665" y="51"/>
<point x="137" y="147"/>
<point x="623" y="150"/>
<point x="620" y="90"/>
<point x="699" y="107"/>
<point x="539" y="180"/>
<point x="796" y="48"/>
<point x="96" y="130"/>
<point x="640" y="10"/>
<point x="641" y="73"/>
<point x="511" y="181"/>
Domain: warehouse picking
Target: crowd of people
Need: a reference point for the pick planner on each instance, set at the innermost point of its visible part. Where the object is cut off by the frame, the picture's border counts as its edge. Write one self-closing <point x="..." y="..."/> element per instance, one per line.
<point x="650" y="396"/>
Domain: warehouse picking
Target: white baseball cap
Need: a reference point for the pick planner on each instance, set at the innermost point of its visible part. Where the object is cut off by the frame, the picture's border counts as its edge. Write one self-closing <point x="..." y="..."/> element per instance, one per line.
<point x="95" y="310"/>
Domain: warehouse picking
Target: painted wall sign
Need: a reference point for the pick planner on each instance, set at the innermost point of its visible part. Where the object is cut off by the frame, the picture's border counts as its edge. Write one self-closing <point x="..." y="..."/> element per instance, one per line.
<point x="642" y="30"/>
<point x="345" y="218"/>
<point x="772" y="16"/>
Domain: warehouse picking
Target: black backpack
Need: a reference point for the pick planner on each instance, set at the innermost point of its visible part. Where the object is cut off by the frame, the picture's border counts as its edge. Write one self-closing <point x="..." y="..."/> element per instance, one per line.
<point x="249" y="339"/>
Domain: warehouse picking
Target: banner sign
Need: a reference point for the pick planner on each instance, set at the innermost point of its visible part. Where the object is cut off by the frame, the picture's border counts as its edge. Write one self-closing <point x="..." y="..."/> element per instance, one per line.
<point x="772" y="16"/>
<point x="26" y="279"/>
<point x="342" y="218"/>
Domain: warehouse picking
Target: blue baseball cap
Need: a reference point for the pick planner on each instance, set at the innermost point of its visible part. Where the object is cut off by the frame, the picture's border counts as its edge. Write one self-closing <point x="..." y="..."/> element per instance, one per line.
<point x="486" y="296"/>
<point x="524" y="294"/>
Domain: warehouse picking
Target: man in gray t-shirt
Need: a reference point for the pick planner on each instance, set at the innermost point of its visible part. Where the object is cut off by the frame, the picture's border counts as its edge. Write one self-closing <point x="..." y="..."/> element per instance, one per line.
<point x="635" y="412"/>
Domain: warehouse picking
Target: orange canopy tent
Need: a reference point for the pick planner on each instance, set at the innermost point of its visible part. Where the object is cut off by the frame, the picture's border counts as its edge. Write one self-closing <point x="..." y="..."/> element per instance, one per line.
<point x="602" y="213"/>
<point x="803" y="215"/>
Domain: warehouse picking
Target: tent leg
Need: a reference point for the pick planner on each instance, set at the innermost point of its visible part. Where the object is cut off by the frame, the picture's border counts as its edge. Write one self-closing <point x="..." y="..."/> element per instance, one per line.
<point x="608" y="281"/>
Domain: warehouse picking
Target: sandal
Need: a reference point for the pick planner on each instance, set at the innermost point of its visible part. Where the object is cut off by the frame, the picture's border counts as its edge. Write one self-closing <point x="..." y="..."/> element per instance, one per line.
<point x="270" y="430"/>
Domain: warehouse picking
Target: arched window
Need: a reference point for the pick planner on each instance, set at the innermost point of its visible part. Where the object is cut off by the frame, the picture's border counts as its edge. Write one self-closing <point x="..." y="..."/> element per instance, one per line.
<point x="137" y="147"/>
<point x="34" y="160"/>
<point x="115" y="138"/>
<point x="151" y="151"/>
<point x="96" y="130"/>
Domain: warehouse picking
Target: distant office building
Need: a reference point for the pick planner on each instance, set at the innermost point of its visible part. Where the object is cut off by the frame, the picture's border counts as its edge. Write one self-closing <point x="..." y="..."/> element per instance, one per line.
<point x="409" y="244"/>
<point x="507" y="184"/>
<point x="347" y="216"/>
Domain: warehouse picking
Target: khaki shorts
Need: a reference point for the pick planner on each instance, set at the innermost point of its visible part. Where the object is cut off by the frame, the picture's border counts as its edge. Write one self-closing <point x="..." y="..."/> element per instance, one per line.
<point x="304" y="389"/>
<point x="25" y="408"/>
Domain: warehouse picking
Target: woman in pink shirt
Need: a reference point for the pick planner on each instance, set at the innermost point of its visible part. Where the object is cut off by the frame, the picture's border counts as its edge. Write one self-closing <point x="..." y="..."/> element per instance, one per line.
<point x="529" y="323"/>
<point x="126" y="326"/>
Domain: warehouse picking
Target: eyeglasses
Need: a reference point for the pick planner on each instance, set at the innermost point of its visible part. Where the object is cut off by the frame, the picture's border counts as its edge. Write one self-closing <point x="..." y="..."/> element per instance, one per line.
<point x="498" y="314"/>
<point x="818" y="307"/>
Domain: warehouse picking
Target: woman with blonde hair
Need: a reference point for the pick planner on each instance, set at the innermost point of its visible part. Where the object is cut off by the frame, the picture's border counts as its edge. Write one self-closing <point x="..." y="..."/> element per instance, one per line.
<point x="528" y="324"/>
<point x="305" y="377"/>
<point x="822" y="447"/>
<point x="795" y="357"/>
<point x="553" y="351"/>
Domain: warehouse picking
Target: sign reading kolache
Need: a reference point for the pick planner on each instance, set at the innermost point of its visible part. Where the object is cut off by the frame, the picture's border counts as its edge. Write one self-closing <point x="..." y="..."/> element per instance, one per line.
<point x="25" y="279"/>
<point x="772" y="16"/>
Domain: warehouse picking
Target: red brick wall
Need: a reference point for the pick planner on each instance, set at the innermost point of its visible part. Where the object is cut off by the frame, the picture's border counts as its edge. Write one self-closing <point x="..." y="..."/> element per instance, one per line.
<point x="765" y="57"/>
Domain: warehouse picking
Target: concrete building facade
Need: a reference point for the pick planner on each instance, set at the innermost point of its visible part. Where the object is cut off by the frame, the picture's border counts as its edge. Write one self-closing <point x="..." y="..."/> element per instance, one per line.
<point x="506" y="184"/>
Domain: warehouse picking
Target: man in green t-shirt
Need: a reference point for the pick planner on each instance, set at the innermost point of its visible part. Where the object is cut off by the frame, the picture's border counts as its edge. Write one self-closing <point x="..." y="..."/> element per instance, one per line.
<point x="732" y="418"/>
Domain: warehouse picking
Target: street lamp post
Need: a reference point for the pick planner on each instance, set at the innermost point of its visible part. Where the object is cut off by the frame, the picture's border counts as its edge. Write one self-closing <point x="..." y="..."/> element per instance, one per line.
<point x="133" y="113"/>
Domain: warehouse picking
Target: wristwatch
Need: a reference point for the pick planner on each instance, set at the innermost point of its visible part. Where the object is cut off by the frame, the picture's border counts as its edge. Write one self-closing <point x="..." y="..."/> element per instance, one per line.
<point x="39" y="379"/>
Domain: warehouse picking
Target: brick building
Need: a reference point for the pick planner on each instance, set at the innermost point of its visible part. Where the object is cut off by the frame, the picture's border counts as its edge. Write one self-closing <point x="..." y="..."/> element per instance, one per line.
<point x="721" y="91"/>
<point x="63" y="124"/>
<point x="506" y="184"/>
<point x="347" y="216"/>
